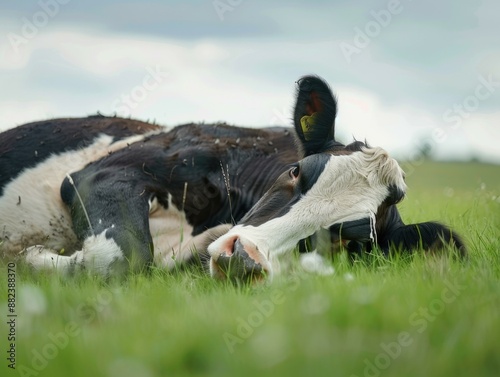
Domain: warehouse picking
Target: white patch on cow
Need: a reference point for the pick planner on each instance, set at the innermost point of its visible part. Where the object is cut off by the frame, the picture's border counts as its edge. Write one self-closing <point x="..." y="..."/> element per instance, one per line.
<point x="99" y="256"/>
<point x="44" y="259"/>
<point x="351" y="187"/>
<point x="373" y="227"/>
<point x="31" y="207"/>
<point x="103" y="257"/>
<point x="153" y="204"/>
<point x="171" y="233"/>
<point x="316" y="264"/>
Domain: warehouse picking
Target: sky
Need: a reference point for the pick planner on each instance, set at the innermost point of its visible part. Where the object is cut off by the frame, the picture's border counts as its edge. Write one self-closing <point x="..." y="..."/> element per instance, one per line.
<point x="406" y="73"/>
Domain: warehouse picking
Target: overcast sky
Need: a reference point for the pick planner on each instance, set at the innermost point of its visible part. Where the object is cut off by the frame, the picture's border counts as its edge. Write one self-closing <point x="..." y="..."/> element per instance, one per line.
<point x="403" y="71"/>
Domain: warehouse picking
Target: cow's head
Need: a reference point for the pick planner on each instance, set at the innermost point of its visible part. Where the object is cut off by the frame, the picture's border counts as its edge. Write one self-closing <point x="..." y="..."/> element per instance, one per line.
<point x="333" y="184"/>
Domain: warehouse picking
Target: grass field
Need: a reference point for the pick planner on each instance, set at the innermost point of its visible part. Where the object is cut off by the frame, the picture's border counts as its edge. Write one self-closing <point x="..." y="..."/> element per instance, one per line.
<point x="400" y="317"/>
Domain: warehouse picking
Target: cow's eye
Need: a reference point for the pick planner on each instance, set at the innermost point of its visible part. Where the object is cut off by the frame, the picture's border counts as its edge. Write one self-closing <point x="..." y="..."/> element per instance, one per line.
<point x="294" y="172"/>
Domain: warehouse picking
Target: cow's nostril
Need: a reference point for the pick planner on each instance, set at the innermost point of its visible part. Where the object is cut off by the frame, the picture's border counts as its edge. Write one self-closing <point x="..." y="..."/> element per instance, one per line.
<point x="238" y="248"/>
<point x="232" y="250"/>
<point x="229" y="247"/>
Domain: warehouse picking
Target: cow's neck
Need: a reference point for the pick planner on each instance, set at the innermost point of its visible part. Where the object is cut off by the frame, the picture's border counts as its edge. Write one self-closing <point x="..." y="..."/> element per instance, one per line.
<point x="237" y="187"/>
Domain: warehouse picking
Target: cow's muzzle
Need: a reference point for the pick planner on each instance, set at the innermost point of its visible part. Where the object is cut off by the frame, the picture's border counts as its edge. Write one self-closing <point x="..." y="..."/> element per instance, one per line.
<point x="240" y="260"/>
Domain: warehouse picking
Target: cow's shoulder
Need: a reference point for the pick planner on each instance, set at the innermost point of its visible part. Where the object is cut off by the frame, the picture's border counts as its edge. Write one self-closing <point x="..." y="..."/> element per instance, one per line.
<point x="221" y="139"/>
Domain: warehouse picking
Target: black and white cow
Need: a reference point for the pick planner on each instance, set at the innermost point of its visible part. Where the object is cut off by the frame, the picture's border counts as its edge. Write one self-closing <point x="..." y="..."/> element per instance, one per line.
<point x="109" y="194"/>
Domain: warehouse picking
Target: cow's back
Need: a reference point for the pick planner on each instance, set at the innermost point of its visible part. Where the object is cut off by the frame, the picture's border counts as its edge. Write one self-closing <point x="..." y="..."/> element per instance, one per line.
<point x="27" y="145"/>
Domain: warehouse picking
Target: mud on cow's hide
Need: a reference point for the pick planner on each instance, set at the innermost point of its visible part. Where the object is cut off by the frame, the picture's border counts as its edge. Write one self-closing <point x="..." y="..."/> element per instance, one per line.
<point x="110" y="195"/>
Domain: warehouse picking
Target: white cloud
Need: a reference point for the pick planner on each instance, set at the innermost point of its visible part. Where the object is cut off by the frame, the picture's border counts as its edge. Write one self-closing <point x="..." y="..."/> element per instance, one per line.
<point x="210" y="80"/>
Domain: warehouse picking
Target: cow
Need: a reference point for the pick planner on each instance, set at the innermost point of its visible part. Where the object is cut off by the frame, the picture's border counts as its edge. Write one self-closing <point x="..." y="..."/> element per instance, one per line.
<point x="110" y="195"/>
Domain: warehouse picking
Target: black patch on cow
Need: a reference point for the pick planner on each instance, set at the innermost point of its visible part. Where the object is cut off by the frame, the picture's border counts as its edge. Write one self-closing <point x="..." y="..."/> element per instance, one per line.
<point x="226" y="169"/>
<point x="355" y="146"/>
<point x="395" y="195"/>
<point x="285" y="193"/>
<point x="310" y="170"/>
<point x="426" y="236"/>
<point x="359" y="230"/>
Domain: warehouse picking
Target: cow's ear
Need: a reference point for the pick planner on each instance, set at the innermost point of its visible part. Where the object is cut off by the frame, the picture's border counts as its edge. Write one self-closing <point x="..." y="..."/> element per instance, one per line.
<point x="314" y="115"/>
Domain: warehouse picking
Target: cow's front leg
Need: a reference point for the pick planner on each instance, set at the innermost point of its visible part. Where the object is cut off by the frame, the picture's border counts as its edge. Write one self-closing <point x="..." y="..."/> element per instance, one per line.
<point x="41" y="258"/>
<point x="100" y="255"/>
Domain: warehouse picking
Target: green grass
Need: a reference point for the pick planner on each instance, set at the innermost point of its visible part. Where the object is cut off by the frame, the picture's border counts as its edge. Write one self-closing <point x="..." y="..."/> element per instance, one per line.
<point x="401" y="317"/>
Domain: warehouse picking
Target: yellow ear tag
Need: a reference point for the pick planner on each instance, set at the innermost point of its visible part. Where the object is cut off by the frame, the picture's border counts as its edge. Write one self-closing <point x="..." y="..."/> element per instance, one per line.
<point x="307" y="123"/>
